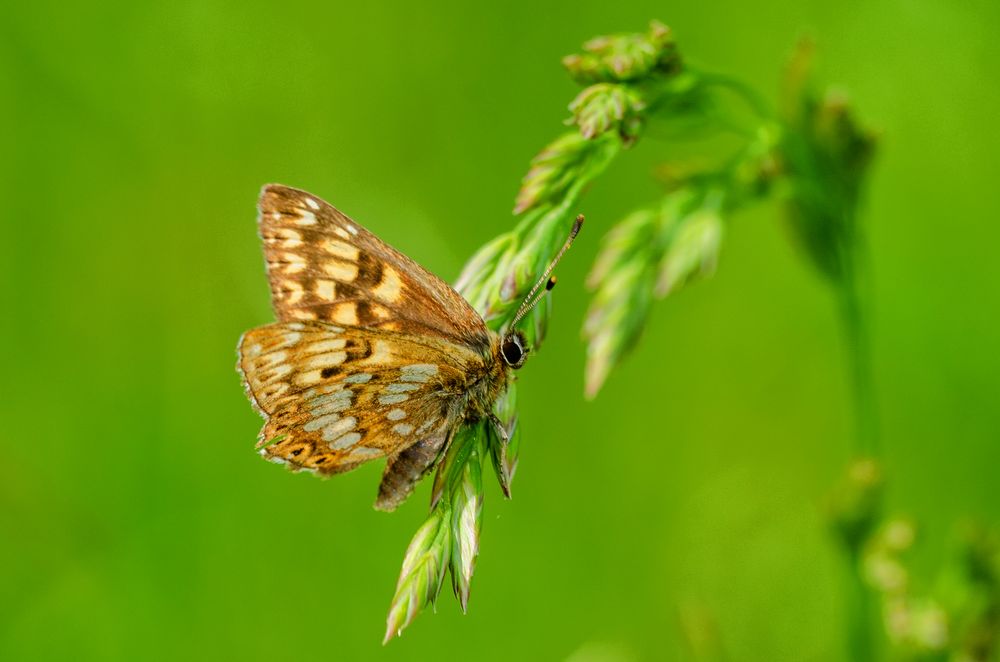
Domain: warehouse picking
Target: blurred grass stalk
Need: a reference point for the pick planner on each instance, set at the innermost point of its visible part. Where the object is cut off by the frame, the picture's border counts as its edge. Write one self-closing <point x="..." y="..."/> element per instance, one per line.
<point x="827" y="154"/>
<point x="812" y="156"/>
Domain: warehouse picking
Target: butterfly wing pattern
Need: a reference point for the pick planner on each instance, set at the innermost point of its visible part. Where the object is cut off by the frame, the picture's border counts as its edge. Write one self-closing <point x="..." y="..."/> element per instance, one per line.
<point x="324" y="266"/>
<point x="372" y="356"/>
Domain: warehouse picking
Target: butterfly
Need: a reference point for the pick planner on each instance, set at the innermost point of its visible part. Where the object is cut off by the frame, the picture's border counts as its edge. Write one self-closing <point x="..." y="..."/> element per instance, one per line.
<point x="372" y="355"/>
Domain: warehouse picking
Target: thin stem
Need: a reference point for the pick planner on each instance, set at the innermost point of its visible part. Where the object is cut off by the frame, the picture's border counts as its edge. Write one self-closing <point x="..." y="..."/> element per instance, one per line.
<point x="860" y="639"/>
<point x="750" y="96"/>
<point x="852" y="302"/>
<point x="862" y="606"/>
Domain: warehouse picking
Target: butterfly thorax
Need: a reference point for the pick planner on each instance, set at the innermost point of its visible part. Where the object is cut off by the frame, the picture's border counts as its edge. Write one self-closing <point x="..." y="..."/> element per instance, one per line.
<point x="485" y="387"/>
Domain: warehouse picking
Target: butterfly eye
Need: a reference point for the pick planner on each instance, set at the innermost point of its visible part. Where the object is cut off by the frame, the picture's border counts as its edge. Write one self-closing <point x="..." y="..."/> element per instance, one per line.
<point x="513" y="351"/>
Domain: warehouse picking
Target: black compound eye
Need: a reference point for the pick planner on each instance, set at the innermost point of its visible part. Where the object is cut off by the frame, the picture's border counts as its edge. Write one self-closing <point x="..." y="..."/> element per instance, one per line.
<point x="513" y="352"/>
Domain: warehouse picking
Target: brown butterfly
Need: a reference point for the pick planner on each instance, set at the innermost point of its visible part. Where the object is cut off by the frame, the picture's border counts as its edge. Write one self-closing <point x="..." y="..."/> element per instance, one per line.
<point x="372" y="355"/>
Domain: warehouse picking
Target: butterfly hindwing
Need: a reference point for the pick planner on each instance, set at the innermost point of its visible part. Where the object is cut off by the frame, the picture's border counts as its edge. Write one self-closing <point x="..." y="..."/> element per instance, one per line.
<point x="323" y="266"/>
<point x="334" y="397"/>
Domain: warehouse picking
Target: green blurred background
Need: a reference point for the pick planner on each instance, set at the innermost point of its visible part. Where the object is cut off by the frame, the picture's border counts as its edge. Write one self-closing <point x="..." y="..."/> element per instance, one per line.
<point x="136" y="522"/>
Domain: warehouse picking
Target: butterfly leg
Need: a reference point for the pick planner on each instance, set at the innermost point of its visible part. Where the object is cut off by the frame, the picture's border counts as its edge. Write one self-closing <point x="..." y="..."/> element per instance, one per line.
<point x="504" y="437"/>
<point x="404" y="469"/>
<point x="501" y="431"/>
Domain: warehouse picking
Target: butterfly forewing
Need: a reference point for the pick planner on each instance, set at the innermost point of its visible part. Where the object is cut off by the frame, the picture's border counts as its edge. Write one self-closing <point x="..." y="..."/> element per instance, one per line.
<point x="338" y="396"/>
<point x="323" y="266"/>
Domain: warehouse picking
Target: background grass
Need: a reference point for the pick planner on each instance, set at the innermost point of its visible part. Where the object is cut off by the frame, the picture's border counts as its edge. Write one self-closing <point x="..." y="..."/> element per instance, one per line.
<point x="137" y="523"/>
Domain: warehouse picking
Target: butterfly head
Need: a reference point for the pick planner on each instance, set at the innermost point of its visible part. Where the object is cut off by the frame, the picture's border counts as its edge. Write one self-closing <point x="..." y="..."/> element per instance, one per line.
<point x="514" y="350"/>
<point x="513" y="347"/>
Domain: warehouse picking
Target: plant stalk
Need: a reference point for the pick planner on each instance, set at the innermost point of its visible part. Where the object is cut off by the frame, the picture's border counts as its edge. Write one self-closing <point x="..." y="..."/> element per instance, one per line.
<point x="856" y="336"/>
<point x="862" y="606"/>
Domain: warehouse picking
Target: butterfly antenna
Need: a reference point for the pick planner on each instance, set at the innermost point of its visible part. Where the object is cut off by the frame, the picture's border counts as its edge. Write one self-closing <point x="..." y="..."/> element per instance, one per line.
<point x="531" y="300"/>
